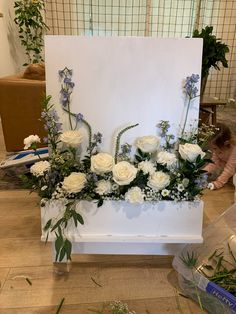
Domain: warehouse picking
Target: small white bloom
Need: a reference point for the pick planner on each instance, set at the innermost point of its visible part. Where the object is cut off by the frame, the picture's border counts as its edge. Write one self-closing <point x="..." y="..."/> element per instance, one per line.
<point x="103" y="187"/>
<point x="159" y="180"/>
<point x="134" y="195"/>
<point x="166" y="159"/>
<point x="180" y="187"/>
<point x="102" y="163"/>
<point x="190" y="152"/>
<point x="148" y="144"/>
<point x="74" y="183"/>
<point x="165" y="192"/>
<point x="43" y="188"/>
<point x="185" y="182"/>
<point x="147" y="167"/>
<point x="72" y="138"/>
<point x="32" y="139"/>
<point x="115" y="187"/>
<point x="124" y="173"/>
<point x="39" y="168"/>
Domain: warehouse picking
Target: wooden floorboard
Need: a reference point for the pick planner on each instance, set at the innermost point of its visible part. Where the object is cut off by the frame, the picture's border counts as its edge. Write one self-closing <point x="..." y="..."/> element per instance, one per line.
<point x="144" y="282"/>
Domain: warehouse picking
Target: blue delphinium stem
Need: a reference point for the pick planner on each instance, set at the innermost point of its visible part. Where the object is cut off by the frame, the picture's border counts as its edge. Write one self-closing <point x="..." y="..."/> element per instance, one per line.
<point x="66" y="90"/>
<point x="191" y="91"/>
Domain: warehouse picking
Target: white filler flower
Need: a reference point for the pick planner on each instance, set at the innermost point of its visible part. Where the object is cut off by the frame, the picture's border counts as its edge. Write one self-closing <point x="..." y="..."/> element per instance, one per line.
<point x="134" y="195"/>
<point x="39" y="168"/>
<point x="148" y="144"/>
<point x="147" y="167"/>
<point x="158" y="180"/>
<point x="32" y="139"/>
<point x="103" y="187"/>
<point x="71" y="138"/>
<point x="190" y="152"/>
<point x="74" y="183"/>
<point x="102" y="163"/>
<point x="124" y="173"/>
<point x="166" y="159"/>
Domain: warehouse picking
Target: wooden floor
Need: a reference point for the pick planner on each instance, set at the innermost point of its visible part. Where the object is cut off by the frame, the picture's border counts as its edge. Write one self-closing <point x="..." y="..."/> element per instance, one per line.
<point x="148" y="284"/>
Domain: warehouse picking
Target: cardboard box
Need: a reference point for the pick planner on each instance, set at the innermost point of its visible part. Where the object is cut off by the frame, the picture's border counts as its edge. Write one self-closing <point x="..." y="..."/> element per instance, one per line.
<point x="20" y="109"/>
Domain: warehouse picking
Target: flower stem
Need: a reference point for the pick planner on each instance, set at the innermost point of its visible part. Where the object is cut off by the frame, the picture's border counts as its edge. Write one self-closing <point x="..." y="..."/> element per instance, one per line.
<point x="186" y="117"/>
<point x="86" y="123"/>
<point x="117" y="147"/>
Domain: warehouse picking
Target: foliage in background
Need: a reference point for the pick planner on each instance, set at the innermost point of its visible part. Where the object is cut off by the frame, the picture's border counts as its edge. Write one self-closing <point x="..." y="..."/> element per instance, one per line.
<point x="31" y="27"/>
<point x="214" y="50"/>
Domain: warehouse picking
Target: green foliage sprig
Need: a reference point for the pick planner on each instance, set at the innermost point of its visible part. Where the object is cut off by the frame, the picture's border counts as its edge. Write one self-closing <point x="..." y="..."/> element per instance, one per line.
<point x="31" y="25"/>
<point x="63" y="246"/>
<point x="117" y="146"/>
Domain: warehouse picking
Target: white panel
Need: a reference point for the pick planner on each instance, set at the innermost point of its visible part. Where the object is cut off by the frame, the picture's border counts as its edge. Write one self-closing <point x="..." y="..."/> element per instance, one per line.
<point x="121" y="81"/>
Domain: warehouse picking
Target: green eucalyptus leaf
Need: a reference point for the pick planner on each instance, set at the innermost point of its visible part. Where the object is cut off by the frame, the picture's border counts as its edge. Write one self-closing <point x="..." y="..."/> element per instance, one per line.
<point x="80" y="218"/>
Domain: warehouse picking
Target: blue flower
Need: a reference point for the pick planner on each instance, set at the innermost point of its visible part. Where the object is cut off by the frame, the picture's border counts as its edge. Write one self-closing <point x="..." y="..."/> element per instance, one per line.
<point x="58" y="126"/>
<point x="190" y="87"/>
<point x="54" y="115"/>
<point x="79" y="117"/>
<point x="68" y="82"/>
<point x="97" y="137"/>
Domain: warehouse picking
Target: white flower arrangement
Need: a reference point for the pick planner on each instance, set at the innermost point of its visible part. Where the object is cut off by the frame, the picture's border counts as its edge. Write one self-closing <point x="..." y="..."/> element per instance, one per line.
<point x="157" y="171"/>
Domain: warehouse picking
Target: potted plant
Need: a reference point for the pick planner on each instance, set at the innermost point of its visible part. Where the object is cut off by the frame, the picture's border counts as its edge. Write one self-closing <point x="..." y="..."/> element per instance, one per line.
<point x="31" y="25"/>
<point x="214" y="52"/>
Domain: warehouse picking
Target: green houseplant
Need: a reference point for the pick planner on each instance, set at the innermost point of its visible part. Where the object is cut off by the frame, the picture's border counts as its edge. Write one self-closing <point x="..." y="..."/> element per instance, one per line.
<point x="31" y="26"/>
<point x="214" y="52"/>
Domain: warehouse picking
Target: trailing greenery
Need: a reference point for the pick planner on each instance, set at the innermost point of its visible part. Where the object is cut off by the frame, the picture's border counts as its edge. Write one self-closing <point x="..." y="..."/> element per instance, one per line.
<point x="214" y="50"/>
<point x="31" y="27"/>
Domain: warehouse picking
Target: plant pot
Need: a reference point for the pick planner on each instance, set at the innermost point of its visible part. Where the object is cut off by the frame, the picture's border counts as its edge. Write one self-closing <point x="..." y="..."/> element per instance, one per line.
<point x="203" y="86"/>
<point x="118" y="227"/>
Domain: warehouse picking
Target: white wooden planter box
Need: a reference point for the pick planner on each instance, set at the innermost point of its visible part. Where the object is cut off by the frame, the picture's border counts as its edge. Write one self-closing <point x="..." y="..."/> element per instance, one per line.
<point x="118" y="227"/>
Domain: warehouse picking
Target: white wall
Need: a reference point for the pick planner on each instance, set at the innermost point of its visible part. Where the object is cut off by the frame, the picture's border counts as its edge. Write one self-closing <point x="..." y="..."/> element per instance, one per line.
<point x="11" y="53"/>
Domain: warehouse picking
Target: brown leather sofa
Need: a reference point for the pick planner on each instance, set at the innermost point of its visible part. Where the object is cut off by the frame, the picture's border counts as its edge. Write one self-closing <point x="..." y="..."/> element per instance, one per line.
<point x="20" y="109"/>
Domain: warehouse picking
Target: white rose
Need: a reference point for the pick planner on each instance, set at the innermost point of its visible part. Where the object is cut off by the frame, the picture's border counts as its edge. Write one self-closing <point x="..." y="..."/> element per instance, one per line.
<point x="102" y="163"/>
<point x="166" y="159"/>
<point x="159" y="180"/>
<point x="28" y="141"/>
<point x="74" y="183"/>
<point x="39" y="168"/>
<point x="124" y="173"/>
<point x="190" y="152"/>
<point x="148" y="144"/>
<point x="103" y="187"/>
<point x="147" y="167"/>
<point x="72" y="138"/>
<point x="134" y="195"/>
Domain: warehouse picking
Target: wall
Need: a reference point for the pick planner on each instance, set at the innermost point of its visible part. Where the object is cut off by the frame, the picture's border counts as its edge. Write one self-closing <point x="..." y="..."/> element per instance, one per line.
<point x="11" y="52"/>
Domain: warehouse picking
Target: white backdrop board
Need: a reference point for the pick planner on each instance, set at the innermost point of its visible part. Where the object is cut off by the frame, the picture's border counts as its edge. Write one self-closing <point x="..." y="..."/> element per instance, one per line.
<point x="121" y="81"/>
